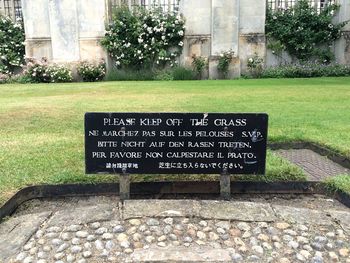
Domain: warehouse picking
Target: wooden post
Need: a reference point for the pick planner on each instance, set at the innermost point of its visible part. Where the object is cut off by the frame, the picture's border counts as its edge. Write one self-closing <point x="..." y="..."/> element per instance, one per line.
<point x="124" y="186"/>
<point x="225" y="186"/>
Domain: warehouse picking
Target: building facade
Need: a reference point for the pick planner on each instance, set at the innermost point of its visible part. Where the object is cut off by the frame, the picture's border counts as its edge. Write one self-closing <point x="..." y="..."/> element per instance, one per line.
<point x="68" y="31"/>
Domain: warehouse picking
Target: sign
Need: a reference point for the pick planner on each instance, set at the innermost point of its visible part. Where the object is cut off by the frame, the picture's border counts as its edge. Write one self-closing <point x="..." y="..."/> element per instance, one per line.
<point x="175" y="143"/>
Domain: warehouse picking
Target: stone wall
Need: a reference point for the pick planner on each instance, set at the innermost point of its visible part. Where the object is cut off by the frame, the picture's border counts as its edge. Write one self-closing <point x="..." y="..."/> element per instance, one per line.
<point x="64" y="31"/>
<point x="215" y="26"/>
<point x="68" y="31"/>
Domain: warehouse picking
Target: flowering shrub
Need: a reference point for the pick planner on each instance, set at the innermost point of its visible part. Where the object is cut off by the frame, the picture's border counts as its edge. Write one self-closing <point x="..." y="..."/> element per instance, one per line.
<point x="303" y="32"/>
<point x="11" y="45"/>
<point x="198" y="64"/>
<point x="308" y="70"/>
<point x="40" y="71"/>
<point x="3" y="78"/>
<point x="91" y="72"/>
<point x="60" y="73"/>
<point x="224" y="62"/>
<point x="255" y="65"/>
<point x="144" y="38"/>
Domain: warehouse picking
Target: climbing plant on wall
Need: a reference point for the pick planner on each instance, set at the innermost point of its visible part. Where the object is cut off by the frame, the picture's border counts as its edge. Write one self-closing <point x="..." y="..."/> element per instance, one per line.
<point x="143" y="38"/>
<point x="11" y="45"/>
<point x="303" y="32"/>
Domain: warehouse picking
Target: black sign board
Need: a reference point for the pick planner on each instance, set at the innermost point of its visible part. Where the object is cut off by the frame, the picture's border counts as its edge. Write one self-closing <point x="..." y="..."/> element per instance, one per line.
<point x="175" y="143"/>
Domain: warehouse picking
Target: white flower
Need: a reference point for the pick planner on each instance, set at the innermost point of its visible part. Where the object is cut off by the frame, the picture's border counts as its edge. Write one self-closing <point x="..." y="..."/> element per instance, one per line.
<point x="138" y="51"/>
<point x="117" y="63"/>
<point x="251" y="60"/>
<point x="181" y="43"/>
<point x="181" y="33"/>
<point x="140" y="40"/>
<point x="163" y="37"/>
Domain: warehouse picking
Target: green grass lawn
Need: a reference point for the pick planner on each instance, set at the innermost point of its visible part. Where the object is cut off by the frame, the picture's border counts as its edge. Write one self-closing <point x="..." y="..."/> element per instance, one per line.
<point x="42" y="135"/>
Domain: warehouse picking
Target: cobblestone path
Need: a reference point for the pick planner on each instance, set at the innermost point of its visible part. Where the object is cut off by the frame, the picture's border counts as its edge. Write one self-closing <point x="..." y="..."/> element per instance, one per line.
<point x="178" y="231"/>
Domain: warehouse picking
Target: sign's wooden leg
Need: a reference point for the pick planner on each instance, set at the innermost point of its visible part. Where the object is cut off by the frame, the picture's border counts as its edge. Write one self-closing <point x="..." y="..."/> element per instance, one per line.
<point x="124" y="186"/>
<point x="225" y="186"/>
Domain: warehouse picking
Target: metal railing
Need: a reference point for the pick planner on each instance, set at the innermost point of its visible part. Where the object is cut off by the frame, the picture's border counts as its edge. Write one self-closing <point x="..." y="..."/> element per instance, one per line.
<point x="11" y="8"/>
<point x="283" y="4"/>
<point x="165" y="5"/>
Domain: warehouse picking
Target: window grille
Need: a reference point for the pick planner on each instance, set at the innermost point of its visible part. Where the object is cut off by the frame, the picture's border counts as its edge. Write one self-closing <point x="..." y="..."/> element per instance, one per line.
<point x="165" y="5"/>
<point x="11" y="8"/>
<point x="281" y="4"/>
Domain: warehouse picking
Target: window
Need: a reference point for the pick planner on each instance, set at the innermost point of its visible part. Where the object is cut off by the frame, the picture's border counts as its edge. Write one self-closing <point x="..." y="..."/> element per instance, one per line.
<point x="11" y="8"/>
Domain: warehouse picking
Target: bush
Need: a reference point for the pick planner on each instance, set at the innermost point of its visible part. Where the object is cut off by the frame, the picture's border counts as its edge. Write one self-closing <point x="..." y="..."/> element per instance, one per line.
<point x="175" y="73"/>
<point x="303" y="32"/>
<point x="59" y="74"/>
<point x="11" y="45"/>
<point x="166" y="75"/>
<point x="144" y="38"/>
<point x="41" y="72"/>
<point x="126" y="75"/>
<point x="255" y="65"/>
<point x="224" y="62"/>
<point x="19" y="78"/>
<point x="3" y="78"/>
<point x="198" y="65"/>
<point x="307" y="71"/>
<point x="182" y="73"/>
<point x="90" y="72"/>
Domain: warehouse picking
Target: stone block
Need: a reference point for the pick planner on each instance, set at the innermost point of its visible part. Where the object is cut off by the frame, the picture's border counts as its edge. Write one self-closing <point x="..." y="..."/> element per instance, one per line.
<point x="84" y="215"/>
<point x="203" y="254"/>
<point x="36" y="19"/>
<point x="302" y="215"/>
<point x="225" y="26"/>
<point x="64" y="30"/>
<point x="198" y="16"/>
<point x="238" y="211"/>
<point x="39" y="48"/>
<point x="160" y="208"/>
<point x="15" y="232"/>
<point x="91" y="50"/>
<point x="91" y="17"/>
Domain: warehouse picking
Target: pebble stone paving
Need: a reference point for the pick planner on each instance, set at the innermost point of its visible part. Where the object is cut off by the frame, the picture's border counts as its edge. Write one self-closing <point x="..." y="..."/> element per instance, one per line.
<point x="164" y="235"/>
